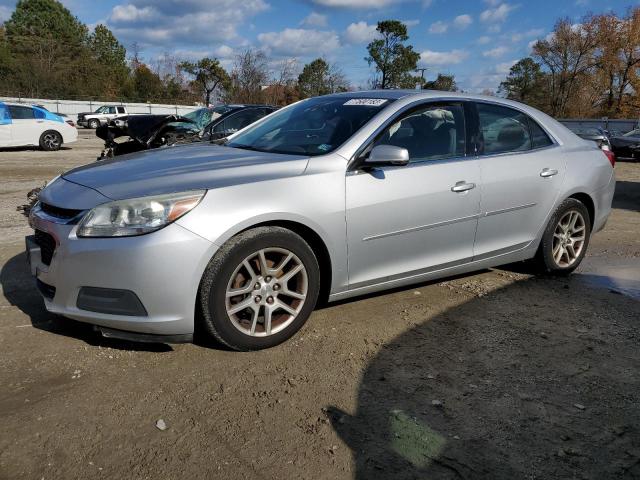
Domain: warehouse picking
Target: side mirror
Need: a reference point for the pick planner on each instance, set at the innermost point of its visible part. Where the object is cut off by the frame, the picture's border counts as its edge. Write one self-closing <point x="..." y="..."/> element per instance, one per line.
<point x="387" y="155"/>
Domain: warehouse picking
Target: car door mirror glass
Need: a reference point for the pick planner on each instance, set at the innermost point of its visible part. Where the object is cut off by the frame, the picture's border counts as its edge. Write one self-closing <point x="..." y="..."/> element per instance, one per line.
<point x="388" y="155"/>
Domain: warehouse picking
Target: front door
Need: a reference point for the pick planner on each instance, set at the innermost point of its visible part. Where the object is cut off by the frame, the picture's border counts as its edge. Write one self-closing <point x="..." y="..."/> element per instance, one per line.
<point x="409" y="220"/>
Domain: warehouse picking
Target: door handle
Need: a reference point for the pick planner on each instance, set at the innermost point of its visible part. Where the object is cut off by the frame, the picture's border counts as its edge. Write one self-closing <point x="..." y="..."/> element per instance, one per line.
<point x="462" y="186"/>
<point x="546" y="173"/>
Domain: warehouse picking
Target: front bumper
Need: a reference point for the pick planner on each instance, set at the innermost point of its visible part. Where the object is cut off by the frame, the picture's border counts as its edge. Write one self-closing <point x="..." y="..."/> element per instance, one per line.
<point x="162" y="268"/>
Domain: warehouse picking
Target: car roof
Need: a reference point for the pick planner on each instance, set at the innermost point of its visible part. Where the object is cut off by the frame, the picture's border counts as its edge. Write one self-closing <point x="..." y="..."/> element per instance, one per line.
<point x="16" y="104"/>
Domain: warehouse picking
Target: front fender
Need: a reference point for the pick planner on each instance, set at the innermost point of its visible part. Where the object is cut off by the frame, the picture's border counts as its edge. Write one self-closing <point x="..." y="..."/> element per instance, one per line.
<point x="313" y="201"/>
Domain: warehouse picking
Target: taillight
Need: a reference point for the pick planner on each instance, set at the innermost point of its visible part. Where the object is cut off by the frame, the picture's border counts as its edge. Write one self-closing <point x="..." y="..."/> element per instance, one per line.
<point x="70" y="122"/>
<point x="611" y="156"/>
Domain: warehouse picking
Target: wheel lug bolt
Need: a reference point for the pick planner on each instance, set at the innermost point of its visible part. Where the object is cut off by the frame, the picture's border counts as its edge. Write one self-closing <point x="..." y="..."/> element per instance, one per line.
<point x="258" y="299"/>
<point x="256" y="286"/>
<point x="276" y="287"/>
<point x="269" y="300"/>
<point x="267" y="279"/>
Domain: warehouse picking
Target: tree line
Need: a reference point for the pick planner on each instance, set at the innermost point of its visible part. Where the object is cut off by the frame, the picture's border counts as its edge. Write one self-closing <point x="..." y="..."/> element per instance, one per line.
<point x="589" y="69"/>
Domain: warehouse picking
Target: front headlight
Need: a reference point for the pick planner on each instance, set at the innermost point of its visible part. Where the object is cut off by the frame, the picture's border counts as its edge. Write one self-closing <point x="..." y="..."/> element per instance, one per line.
<point x="137" y="216"/>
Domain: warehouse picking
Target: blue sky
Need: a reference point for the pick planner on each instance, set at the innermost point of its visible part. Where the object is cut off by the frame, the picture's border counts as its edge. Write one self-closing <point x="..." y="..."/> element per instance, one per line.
<point x="476" y="40"/>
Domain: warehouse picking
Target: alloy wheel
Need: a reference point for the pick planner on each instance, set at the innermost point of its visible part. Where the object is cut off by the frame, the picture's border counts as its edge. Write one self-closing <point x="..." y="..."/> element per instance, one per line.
<point x="568" y="239"/>
<point x="51" y="141"/>
<point x="266" y="292"/>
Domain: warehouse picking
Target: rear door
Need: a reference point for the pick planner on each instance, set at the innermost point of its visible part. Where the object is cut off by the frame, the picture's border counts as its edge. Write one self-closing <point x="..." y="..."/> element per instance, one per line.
<point x="409" y="220"/>
<point x="25" y="129"/>
<point x="522" y="170"/>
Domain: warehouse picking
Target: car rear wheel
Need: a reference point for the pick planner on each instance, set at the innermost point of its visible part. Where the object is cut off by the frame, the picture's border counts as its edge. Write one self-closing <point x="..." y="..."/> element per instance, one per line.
<point x="94" y="124"/>
<point x="259" y="289"/>
<point x="50" y="141"/>
<point x="566" y="238"/>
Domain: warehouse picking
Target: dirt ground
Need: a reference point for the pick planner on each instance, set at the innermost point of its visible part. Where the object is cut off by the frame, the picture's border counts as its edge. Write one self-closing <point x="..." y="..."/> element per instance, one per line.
<point x="496" y="375"/>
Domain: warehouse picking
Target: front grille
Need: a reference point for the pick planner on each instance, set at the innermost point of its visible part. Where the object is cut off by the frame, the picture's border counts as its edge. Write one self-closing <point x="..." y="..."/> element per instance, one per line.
<point x="58" y="212"/>
<point x="47" y="291"/>
<point x="47" y="246"/>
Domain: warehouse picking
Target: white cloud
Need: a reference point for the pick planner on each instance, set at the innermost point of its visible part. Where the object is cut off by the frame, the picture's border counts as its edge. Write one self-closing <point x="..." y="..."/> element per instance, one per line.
<point x="429" y="57"/>
<point x="315" y="20"/>
<point x="131" y="13"/>
<point x="5" y="13"/>
<point x="223" y="51"/>
<point x="505" y="67"/>
<point x="438" y="27"/>
<point x="360" y="32"/>
<point x="411" y="23"/>
<point x="534" y="32"/>
<point x="495" y="52"/>
<point x="166" y="23"/>
<point x="355" y="3"/>
<point x="498" y="14"/>
<point x="462" y="21"/>
<point x="298" y="41"/>
<point x="483" y="40"/>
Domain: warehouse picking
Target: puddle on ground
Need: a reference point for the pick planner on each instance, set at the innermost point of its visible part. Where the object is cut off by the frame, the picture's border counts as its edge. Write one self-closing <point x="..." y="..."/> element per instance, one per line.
<point x="621" y="275"/>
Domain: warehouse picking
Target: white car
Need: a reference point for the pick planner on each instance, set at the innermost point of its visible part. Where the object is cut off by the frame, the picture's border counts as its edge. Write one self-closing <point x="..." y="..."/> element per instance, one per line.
<point x="25" y="125"/>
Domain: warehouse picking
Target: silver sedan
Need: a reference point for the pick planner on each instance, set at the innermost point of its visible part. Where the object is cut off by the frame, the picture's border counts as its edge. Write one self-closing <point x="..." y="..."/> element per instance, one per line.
<point x="329" y="198"/>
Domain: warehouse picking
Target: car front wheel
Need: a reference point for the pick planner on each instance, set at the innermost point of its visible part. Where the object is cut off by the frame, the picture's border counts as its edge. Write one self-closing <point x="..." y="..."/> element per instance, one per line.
<point x="94" y="124"/>
<point x="566" y="238"/>
<point x="259" y="289"/>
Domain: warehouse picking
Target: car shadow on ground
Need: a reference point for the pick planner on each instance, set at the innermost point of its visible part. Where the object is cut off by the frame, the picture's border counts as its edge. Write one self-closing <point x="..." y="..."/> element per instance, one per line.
<point x="29" y="148"/>
<point x="537" y="379"/>
<point x="627" y="196"/>
<point x="20" y="291"/>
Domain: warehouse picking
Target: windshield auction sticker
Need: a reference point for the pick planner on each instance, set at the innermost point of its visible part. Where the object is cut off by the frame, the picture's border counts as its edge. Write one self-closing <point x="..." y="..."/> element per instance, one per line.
<point x="369" y="102"/>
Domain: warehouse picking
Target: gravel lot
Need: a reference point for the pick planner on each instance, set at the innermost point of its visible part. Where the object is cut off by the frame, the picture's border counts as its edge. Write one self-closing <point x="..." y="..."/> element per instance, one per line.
<point x="496" y="375"/>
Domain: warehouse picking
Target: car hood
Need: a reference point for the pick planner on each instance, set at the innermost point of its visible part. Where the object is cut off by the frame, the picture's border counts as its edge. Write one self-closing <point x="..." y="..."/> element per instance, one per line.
<point x="197" y="166"/>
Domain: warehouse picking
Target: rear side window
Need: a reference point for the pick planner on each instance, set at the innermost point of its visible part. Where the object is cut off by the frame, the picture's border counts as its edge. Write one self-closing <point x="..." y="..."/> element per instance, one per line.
<point x="539" y="138"/>
<point x="502" y="130"/>
<point x="120" y="109"/>
<point x="20" y="113"/>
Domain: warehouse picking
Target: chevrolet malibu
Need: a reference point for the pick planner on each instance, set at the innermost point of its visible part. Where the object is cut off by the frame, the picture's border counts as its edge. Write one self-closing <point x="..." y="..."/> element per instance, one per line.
<point x="329" y="198"/>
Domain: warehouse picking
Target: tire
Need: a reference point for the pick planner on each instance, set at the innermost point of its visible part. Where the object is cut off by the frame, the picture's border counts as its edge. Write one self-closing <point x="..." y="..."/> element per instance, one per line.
<point x="263" y="322"/>
<point x="562" y="249"/>
<point x="94" y="123"/>
<point x="50" y="141"/>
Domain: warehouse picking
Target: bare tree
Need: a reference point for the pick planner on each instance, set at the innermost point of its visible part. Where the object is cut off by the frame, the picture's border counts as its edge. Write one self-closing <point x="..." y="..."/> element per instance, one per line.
<point x="249" y="75"/>
<point x="568" y="55"/>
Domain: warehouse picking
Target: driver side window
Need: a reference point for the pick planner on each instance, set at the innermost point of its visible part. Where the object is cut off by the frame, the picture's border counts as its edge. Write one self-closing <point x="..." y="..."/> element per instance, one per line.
<point x="433" y="132"/>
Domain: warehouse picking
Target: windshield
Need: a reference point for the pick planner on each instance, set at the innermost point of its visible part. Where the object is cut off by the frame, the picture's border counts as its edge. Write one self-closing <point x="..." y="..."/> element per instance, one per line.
<point x="312" y="127"/>
<point x="633" y="133"/>
<point x="203" y="116"/>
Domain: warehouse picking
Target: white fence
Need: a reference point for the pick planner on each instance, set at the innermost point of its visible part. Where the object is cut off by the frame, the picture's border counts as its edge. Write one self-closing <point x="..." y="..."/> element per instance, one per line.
<point x="72" y="107"/>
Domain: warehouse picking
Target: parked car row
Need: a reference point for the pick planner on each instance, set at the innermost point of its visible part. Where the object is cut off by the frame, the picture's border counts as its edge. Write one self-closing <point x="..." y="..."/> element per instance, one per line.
<point x="142" y="132"/>
<point x="623" y="146"/>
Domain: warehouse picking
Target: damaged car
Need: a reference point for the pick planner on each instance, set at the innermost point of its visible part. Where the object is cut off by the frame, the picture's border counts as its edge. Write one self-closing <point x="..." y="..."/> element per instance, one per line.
<point x="133" y="133"/>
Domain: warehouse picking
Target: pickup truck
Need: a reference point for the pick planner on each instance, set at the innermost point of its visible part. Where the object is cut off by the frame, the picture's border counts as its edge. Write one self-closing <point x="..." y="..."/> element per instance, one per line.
<point x="101" y="116"/>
